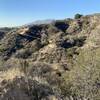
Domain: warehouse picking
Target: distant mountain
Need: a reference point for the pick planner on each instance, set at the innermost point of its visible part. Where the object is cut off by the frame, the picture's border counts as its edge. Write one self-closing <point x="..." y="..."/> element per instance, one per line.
<point x="38" y="22"/>
<point x="43" y="21"/>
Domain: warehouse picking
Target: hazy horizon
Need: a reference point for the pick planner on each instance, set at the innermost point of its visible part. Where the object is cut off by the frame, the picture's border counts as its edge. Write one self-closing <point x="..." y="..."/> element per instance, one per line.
<point x="17" y="13"/>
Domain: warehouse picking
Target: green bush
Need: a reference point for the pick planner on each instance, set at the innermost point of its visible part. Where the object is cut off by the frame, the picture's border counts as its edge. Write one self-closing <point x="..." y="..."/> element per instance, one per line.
<point x="78" y="16"/>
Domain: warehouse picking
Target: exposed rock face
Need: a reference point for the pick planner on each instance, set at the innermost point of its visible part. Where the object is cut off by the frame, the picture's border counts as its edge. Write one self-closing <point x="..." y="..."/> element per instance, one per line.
<point x="58" y="61"/>
<point x="23" y="31"/>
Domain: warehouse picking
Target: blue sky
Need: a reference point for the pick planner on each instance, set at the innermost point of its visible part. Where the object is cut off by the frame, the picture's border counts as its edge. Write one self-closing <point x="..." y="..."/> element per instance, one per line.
<point x="19" y="12"/>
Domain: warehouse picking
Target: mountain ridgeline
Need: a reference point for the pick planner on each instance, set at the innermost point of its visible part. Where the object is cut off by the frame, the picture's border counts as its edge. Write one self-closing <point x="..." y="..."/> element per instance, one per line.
<point x="54" y="60"/>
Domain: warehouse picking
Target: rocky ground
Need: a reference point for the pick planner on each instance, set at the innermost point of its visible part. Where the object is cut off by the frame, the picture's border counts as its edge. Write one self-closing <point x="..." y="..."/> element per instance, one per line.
<point x="52" y="61"/>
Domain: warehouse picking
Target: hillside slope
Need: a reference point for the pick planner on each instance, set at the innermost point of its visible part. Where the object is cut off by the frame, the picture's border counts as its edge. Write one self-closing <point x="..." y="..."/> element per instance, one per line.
<point x="55" y="61"/>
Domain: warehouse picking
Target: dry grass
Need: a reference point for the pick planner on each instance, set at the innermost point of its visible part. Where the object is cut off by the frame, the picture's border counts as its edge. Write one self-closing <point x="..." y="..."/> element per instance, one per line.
<point x="10" y="74"/>
<point x="82" y="81"/>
